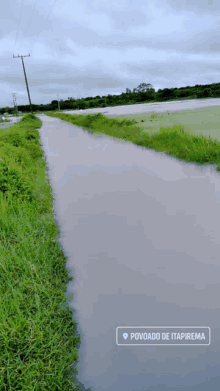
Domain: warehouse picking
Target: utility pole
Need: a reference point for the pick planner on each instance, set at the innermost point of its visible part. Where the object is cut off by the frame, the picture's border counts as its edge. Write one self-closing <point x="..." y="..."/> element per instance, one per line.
<point x="15" y="105"/>
<point x="58" y="102"/>
<point x="12" y="103"/>
<point x="16" y="108"/>
<point x="25" y="79"/>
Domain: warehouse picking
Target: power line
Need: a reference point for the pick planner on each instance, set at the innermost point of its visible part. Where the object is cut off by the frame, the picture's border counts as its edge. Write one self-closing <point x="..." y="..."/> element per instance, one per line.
<point x="25" y="79"/>
<point x="28" y="23"/>
<point x="18" y="25"/>
<point x="43" y="24"/>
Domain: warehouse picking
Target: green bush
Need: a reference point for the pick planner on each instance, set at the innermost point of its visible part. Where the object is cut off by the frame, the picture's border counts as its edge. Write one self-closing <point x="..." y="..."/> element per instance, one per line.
<point x="217" y="93"/>
<point x="91" y="104"/>
<point x="14" y="183"/>
<point x="29" y="116"/>
<point x="82" y="105"/>
<point x="207" y="92"/>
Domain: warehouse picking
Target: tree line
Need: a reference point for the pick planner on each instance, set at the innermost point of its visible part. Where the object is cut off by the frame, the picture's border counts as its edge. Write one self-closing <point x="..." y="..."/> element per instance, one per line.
<point x="196" y="92"/>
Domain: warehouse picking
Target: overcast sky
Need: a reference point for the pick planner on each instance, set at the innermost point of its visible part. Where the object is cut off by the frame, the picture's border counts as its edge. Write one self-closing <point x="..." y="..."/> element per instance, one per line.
<point x="81" y="48"/>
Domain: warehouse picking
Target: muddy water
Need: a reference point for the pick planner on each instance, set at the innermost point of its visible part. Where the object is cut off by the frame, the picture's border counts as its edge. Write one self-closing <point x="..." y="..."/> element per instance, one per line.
<point x="141" y="232"/>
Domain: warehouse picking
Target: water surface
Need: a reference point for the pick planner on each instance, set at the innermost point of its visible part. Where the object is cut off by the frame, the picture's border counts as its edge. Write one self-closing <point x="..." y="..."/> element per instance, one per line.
<point x="141" y="232"/>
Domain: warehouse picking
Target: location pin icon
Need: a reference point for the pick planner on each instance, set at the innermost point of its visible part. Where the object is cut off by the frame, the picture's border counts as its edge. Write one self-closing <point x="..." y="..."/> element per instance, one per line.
<point x="125" y="335"/>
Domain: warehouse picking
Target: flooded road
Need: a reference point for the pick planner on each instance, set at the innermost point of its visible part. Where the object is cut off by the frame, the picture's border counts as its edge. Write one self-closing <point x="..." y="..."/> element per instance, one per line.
<point x="147" y="108"/>
<point x="12" y="120"/>
<point x="141" y="233"/>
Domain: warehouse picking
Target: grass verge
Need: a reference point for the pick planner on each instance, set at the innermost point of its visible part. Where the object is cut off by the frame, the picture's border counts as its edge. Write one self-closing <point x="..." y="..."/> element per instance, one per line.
<point x="174" y="141"/>
<point x="4" y="120"/>
<point x="37" y="345"/>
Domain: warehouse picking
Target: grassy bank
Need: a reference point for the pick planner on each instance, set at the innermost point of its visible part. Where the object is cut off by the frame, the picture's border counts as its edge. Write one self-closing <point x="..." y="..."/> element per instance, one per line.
<point x="37" y="346"/>
<point x="4" y="120"/>
<point x="174" y="141"/>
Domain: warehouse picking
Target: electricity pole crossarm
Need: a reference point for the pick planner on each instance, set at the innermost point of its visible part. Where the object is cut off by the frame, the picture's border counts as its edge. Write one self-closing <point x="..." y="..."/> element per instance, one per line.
<point x="25" y="78"/>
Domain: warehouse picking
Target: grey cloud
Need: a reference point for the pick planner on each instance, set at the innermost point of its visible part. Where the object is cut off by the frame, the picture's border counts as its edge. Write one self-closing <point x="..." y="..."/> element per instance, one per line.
<point x="197" y="6"/>
<point x="162" y="59"/>
<point x="123" y="20"/>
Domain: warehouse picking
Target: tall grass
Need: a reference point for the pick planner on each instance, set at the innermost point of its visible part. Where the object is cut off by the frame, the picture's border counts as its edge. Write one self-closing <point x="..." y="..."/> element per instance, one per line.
<point x="174" y="141"/>
<point x="4" y="120"/>
<point x="37" y="346"/>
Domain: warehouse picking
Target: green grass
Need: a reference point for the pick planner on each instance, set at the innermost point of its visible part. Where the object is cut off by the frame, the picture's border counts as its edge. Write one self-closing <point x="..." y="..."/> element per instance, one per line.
<point x="37" y="346"/>
<point x="174" y="141"/>
<point x="4" y="120"/>
<point x="205" y="121"/>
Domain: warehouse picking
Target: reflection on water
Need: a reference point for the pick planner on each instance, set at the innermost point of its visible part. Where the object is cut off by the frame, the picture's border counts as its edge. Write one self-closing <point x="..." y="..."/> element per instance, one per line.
<point x="141" y="232"/>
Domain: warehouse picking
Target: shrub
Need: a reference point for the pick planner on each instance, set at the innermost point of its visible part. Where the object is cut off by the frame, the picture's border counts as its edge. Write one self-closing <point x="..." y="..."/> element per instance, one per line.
<point x="13" y="182"/>
<point x="91" y="104"/>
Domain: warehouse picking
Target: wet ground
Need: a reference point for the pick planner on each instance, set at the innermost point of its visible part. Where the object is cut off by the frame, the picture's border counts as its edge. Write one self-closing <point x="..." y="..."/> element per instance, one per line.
<point x="141" y="232"/>
<point x="199" y="116"/>
<point x="205" y="121"/>
<point x="157" y="107"/>
<point x="12" y="121"/>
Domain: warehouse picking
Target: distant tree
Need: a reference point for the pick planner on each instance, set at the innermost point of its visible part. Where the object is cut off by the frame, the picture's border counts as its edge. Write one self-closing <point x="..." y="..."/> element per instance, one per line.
<point x="27" y="108"/>
<point x="96" y="102"/>
<point x="73" y="105"/>
<point x="35" y="107"/>
<point x="207" y="92"/>
<point x="65" y="105"/>
<point x="217" y="93"/>
<point x="148" y="95"/>
<point x="167" y="93"/>
<point x="81" y="105"/>
<point x="91" y="104"/>
<point x="180" y="93"/>
<point x="199" y="93"/>
<point x="54" y="105"/>
<point x="109" y="99"/>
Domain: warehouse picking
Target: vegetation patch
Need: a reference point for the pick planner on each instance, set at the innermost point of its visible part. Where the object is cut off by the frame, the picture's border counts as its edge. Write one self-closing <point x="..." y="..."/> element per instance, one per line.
<point x="2" y="121"/>
<point x="137" y="96"/>
<point x="37" y="326"/>
<point x="37" y="345"/>
<point x="172" y="140"/>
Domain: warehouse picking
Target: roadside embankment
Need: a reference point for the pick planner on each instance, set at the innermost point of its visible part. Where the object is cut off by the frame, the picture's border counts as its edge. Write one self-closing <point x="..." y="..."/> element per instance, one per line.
<point x="174" y="141"/>
<point x="36" y="327"/>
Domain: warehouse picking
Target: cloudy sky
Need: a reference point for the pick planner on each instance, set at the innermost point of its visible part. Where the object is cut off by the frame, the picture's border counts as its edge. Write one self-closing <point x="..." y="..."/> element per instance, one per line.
<point x="81" y="48"/>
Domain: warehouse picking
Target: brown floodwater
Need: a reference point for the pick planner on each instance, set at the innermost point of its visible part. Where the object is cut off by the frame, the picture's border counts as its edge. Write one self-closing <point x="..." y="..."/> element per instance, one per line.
<point x="141" y="233"/>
